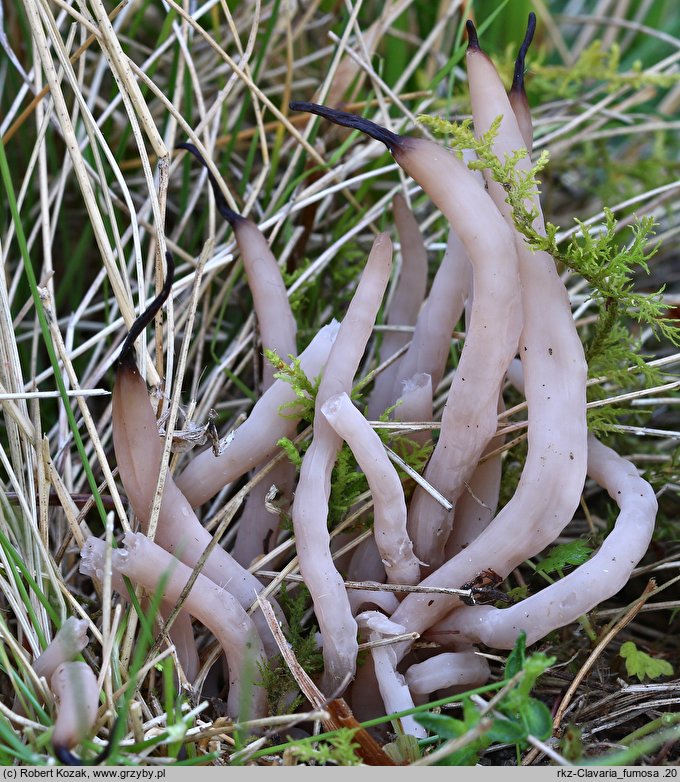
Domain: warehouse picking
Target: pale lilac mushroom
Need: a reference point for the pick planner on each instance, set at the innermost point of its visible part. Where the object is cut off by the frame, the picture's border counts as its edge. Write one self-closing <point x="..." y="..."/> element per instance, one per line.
<point x="150" y="566"/>
<point x="310" y="507"/>
<point x="469" y="418"/>
<point x="602" y="576"/>
<point x="256" y="439"/>
<point x="278" y="332"/>
<point x="405" y="304"/>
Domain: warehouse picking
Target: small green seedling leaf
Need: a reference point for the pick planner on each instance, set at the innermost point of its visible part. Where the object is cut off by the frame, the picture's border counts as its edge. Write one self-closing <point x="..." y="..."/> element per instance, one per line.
<point x="507" y="731"/>
<point x="640" y="664"/>
<point x="517" y="656"/>
<point x="574" y="553"/>
<point x="446" y="727"/>
<point x="537" y="719"/>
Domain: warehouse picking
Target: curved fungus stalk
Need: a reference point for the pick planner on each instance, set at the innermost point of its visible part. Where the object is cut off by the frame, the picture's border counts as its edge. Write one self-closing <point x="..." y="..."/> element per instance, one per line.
<point x="555" y="371"/>
<point x="469" y="418"/>
<point x="67" y="644"/>
<point x="415" y="404"/>
<point x="515" y="305"/>
<point x="150" y="566"/>
<point x="76" y="694"/>
<point x="466" y="670"/>
<point x="602" y="576"/>
<point x="431" y="343"/>
<point x="277" y="326"/>
<point x="405" y="303"/>
<point x="310" y="507"/>
<point x="139" y="453"/>
<point x="256" y="439"/>
<point x="477" y="505"/>
<point x="181" y="632"/>
<point x="389" y="506"/>
<point x="278" y="332"/>
<point x="394" y="690"/>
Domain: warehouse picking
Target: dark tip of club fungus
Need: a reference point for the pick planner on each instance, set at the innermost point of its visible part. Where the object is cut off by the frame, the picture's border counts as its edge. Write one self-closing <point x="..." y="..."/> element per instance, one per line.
<point x="232" y="217"/>
<point x="126" y="356"/>
<point x="518" y="78"/>
<point x="473" y="39"/>
<point x="391" y="140"/>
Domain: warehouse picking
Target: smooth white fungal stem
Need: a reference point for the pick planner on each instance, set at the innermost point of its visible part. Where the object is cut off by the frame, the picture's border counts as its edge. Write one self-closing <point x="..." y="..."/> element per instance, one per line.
<point x="389" y="505"/>
<point x="256" y="439"/>
<point x="66" y="645"/>
<point x="450" y="669"/>
<point x="77" y="699"/>
<point x="278" y="329"/>
<point x="310" y="507"/>
<point x="469" y="418"/>
<point x="150" y="566"/>
<point x="138" y="453"/>
<point x="431" y="343"/>
<point x="405" y="304"/>
<point x="602" y="576"/>
<point x="415" y="404"/>
<point x="392" y="685"/>
<point x="477" y="505"/>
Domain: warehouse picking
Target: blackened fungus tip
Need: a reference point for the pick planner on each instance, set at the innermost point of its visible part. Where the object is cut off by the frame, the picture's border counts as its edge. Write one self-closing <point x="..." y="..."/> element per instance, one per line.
<point x="391" y="140"/>
<point x="473" y="39"/>
<point x="125" y="357"/>
<point x="232" y="217"/>
<point x="518" y="77"/>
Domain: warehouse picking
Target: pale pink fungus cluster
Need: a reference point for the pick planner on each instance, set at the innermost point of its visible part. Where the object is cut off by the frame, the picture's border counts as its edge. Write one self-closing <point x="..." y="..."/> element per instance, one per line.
<point x="447" y="531"/>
